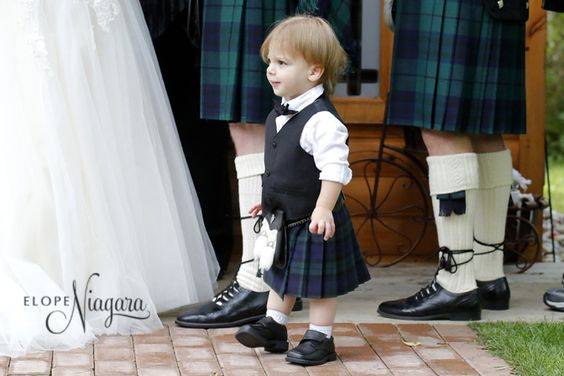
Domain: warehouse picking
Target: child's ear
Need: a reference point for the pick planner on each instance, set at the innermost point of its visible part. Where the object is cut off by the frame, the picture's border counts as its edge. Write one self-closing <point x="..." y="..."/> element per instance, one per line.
<point x="315" y="72"/>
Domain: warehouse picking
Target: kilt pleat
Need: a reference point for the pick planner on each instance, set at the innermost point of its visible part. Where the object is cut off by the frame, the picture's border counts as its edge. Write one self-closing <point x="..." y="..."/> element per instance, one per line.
<point x="318" y="268"/>
<point x="233" y="81"/>
<point x="233" y="76"/>
<point x="457" y="69"/>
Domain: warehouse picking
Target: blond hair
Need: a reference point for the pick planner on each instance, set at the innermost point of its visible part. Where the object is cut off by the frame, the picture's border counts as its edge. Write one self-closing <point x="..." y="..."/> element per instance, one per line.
<point x="314" y="39"/>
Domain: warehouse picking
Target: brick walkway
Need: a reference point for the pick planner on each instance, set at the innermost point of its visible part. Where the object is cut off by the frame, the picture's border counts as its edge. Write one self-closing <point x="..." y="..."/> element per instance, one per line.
<point x="364" y="349"/>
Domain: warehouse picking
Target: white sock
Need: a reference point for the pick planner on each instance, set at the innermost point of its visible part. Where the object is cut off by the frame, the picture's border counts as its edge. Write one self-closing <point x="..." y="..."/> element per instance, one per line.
<point x="449" y="174"/>
<point x="491" y="212"/>
<point x="249" y="169"/>
<point x="279" y="317"/>
<point x="327" y="330"/>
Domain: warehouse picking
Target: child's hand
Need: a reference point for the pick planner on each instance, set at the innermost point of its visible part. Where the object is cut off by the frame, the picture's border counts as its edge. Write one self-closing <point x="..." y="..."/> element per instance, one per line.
<point x="322" y="222"/>
<point x="255" y="209"/>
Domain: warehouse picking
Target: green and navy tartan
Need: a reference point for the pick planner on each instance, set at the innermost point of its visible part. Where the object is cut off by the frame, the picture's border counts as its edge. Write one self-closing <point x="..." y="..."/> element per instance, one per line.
<point x="233" y="76"/>
<point x="457" y="69"/>
<point x="318" y="268"/>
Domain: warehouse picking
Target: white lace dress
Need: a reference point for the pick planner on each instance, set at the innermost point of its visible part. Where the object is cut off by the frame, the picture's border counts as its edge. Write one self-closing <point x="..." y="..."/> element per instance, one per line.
<point x="92" y="180"/>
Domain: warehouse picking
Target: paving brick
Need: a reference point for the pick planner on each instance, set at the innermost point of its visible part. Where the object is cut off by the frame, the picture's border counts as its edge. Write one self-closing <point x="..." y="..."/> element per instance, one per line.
<point x="114" y="353"/>
<point x="387" y="343"/>
<point x="69" y="359"/>
<point x="481" y="360"/>
<point x="222" y="332"/>
<point x="42" y="355"/>
<point x="349" y="341"/>
<point x="186" y="354"/>
<point x="156" y="359"/>
<point x="412" y="372"/>
<point x="199" y="367"/>
<point x="355" y="353"/>
<point x="72" y="371"/>
<point x="276" y="364"/>
<point x="29" y="367"/>
<point x="164" y="331"/>
<point x="243" y="372"/>
<point x="152" y="340"/>
<point x="455" y="333"/>
<point x="328" y="369"/>
<point x="114" y="341"/>
<point x="222" y="347"/>
<point x="435" y="351"/>
<point x="176" y="331"/>
<point x="186" y="341"/>
<point x="362" y="361"/>
<point x="88" y="349"/>
<point x="160" y="339"/>
<point x="233" y="361"/>
<point x="152" y="348"/>
<point x="159" y="371"/>
<point x="114" y="368"/>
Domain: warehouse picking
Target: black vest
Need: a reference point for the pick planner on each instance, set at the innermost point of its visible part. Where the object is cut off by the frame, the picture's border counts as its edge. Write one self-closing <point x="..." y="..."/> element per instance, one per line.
<point x="291" y="179"/>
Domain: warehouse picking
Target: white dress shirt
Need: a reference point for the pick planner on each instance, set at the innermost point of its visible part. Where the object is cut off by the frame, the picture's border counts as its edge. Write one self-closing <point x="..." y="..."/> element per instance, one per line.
<point x="324" y="137"/>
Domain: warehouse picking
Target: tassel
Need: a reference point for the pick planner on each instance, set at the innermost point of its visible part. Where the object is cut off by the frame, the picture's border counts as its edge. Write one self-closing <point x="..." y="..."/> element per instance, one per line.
<point x="452" y="203"/>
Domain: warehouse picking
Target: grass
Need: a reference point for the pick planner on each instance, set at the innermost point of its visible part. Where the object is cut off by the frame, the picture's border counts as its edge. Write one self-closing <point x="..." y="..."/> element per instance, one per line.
<point x="557" y="185"/>
<point x="530" y="348"/>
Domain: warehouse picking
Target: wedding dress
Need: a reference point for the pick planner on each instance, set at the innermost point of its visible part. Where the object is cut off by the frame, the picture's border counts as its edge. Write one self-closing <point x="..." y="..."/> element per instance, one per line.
<point x="100" y="226"/>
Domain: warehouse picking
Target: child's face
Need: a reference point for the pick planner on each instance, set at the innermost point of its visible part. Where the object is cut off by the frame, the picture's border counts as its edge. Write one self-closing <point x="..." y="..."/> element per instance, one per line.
<point x="289" y="75"/>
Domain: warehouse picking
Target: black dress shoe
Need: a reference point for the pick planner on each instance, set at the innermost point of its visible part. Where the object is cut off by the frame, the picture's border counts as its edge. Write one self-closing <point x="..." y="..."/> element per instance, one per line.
<point x="314" y="349"/>
<point x="434" y="302"/>
<point x="234" y="306"/>
<point x="494" y="294"/>
<point x="265" y="333"/>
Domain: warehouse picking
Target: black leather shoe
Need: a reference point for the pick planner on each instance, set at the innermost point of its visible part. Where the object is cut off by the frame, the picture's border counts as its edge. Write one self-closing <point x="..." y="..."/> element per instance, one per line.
<point x="314" y="349"/>
<point x="265" y="333"/>
<point x="494" y="294"/>
<point x="234" y="306"/>
<point x="434" y="302"/>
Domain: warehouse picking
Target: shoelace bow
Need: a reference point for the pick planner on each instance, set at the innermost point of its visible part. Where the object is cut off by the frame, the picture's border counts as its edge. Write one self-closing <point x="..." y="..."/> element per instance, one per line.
<point x="447" y="261"/>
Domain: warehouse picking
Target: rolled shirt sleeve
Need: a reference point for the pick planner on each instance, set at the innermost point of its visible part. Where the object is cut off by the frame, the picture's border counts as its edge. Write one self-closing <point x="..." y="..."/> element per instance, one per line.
<point x="325" y="138"/>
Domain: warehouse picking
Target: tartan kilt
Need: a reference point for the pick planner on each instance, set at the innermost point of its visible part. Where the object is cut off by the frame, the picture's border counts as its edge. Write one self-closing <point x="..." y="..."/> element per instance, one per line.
<point x="233" y="84"/>
<point x="457" y="69"/>
<point x="318" y="268"/>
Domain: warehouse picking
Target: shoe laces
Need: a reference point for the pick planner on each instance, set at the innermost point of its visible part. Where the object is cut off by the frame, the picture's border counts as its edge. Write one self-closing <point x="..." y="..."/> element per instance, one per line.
<point x="227" y="294"/>
<point x="447" y="261"/>
<point x="426" y="291"/>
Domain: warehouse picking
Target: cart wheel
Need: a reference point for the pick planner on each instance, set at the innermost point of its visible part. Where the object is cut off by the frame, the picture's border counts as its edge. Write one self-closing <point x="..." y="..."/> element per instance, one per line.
<point x="398" y="210"/>
<point x="522" y="243"/>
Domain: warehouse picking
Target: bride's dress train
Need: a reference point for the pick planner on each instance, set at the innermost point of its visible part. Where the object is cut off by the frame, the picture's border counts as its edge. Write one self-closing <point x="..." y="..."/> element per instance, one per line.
<point x="92" y="179"/>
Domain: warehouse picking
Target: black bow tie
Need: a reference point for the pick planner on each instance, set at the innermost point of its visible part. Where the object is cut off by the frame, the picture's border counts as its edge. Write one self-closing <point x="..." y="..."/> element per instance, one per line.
<point x="283" y="109"/>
